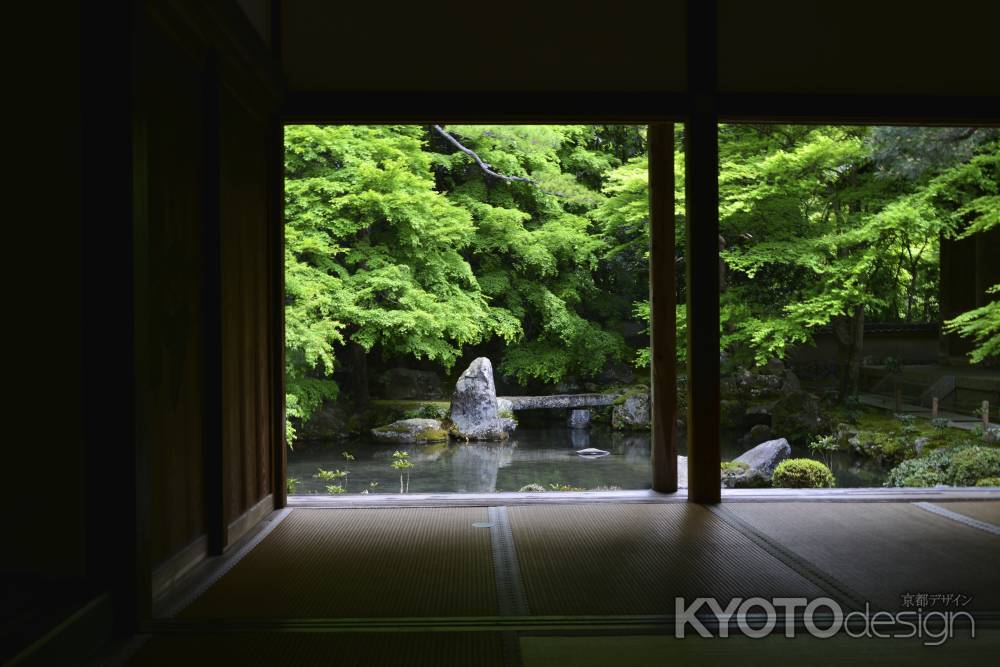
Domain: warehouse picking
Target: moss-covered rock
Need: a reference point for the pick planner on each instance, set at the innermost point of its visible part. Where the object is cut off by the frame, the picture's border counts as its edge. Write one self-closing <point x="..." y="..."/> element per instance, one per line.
<point x="631" y="409"/>
<point x="411" y="431"/>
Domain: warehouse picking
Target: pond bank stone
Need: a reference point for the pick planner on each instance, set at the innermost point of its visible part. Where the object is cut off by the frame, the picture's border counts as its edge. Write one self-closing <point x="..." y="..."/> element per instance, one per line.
<point x="410" y="431"/>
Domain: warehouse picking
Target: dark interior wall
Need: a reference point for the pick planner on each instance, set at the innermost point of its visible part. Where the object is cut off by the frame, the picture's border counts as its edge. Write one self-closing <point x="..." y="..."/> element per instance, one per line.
<point x="170" y="281"/>
<point x="204" y="276"/>
<point x="43" y="290"/>
<point x="247" y="302"/>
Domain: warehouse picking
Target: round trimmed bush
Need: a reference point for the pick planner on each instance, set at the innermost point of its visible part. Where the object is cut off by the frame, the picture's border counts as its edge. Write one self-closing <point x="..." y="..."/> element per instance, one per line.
<point x="989" y="481"/>
<point x="802" y="474"/>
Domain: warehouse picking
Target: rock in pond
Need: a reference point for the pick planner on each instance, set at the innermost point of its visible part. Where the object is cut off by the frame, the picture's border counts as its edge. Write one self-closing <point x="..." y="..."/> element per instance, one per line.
<point x="764" y="458"/>
<point x="411" y="430"/>
<point x="474" y="413"/>
<point x="592" y="452"/>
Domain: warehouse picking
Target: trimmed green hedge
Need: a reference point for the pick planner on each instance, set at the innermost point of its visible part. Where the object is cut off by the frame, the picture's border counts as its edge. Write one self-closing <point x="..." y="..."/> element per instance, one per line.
<point x="802" y="474"/>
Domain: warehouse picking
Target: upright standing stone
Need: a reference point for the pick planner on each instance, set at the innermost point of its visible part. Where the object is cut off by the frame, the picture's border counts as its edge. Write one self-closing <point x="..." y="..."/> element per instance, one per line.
<point x="474" y="413"/>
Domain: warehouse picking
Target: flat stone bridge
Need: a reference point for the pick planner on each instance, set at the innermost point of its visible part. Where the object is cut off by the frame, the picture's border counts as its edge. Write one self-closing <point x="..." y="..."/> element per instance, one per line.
<point x="559" y="401"/>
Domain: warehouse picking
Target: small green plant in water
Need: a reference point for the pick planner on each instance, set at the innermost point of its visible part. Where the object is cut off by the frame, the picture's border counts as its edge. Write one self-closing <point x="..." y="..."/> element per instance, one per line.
<point x="335" y="488"/>
<point x="347" y="456"/>
<point x="324" y="475"/>
<point x="565" y="487"/>
<point x="824" y="447"/>
<point x="291" y="483"/>
<point x="401" y="461"/>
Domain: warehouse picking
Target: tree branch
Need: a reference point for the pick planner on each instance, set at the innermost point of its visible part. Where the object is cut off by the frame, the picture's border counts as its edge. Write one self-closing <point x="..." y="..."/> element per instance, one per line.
<point x="487" y="168"/>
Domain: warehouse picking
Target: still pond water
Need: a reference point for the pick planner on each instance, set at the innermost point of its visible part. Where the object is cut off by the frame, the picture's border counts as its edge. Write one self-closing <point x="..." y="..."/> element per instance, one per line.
<point x="536" y="453"/>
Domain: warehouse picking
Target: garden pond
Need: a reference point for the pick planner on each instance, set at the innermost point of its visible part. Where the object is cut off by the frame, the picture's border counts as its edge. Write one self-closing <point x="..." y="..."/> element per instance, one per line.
<point x="538" y="452"/>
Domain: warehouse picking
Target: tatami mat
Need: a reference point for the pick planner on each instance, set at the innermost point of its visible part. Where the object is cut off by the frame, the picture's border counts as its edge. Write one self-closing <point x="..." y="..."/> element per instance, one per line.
<point x="446" y="649"/>
<point x="841" y="650"/>
<point x="636" y="559"/>
<point x="885" y="550"/>
<point x="988" y="511"/>
<point x="354" y="563"/>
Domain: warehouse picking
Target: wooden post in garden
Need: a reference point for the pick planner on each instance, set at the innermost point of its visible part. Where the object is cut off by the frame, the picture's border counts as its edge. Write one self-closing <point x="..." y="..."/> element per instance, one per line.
<point x="662" y="296"/>
<point x="934" y="407"/>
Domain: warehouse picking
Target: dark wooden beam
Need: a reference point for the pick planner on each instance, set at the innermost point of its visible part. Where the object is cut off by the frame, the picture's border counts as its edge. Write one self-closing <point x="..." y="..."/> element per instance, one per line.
<point x="701" y="154"/>
<point x="859" y="109"/>
<point x="619" y="107"/>
<point x="662" y="297"/>
<point x="485" y="107"/>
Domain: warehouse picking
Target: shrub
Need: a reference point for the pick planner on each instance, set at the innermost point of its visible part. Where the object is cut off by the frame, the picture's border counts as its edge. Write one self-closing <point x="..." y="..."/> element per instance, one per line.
<point x="885" y="447"/>
<point x="989" y="481"/>
<point x="972" y="464"/>
<point x="940" y="422"/>
<point x="433" y="412"/>
<point x="802" y="474"/>
<point x="962" y="465"/>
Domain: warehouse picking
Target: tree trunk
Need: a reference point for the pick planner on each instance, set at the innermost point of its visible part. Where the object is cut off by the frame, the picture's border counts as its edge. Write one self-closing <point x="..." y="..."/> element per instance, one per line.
<point x="359" y="374"/>
<point x="849" y="331"/>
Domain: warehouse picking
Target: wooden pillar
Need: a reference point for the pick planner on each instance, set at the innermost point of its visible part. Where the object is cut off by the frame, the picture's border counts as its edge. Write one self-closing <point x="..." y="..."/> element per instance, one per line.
<point x="115" y="299"/>
<point x="279" y="459"/>
<point x="701" y="155"/>
<point x="662" y="297"/>
<point x="216" y="520"/>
